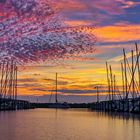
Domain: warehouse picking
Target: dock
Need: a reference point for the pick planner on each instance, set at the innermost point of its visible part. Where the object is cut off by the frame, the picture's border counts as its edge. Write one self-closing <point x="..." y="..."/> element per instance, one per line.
<point x="124" y="98"/>
<point x="129" y="105"/>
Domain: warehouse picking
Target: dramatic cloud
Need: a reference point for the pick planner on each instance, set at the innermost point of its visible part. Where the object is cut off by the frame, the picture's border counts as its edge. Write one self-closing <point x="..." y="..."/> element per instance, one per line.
<point x="31" y="30"/>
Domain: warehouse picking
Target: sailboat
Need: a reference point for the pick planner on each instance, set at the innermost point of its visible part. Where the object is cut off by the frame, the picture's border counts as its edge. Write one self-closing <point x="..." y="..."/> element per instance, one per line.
<point x="57" y="104"/>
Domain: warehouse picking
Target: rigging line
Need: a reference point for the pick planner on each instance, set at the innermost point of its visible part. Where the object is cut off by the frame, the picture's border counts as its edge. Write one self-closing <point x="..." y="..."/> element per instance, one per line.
<point x="134" y="71"/>
<point x="50" y="98"/>
<point x="117" y="90"/>
<point x="130" y="72"/>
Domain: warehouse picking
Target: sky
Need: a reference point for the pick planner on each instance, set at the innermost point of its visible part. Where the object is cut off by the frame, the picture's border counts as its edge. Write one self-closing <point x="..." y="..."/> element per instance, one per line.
<point x="112" y="25"/>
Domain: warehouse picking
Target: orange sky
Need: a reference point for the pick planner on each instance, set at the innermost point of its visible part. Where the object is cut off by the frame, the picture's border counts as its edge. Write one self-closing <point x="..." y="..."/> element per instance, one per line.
<point x="116" y="26"/>
<point x="81" y="74"/>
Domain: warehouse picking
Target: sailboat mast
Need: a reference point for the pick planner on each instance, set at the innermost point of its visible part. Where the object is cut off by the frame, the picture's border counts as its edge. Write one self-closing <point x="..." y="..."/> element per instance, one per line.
<point x="97" y="94"/>
<point x="108" y="80"/>
<point x="125" y="74"/>
<point x="137" y="52"/>
<point x="133" y="74"/>
<point x="111" y="77"/>
<point x="56" y="90"/>
<point x="122" y="69"/>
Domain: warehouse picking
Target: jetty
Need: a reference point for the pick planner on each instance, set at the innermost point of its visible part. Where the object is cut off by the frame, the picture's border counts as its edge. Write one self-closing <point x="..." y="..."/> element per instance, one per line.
<point x="124" y="98"/>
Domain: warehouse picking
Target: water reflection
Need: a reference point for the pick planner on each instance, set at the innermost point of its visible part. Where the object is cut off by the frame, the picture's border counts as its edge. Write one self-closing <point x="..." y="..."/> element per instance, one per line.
<point x="124" y="116"/>
<point x="73" y="124"/>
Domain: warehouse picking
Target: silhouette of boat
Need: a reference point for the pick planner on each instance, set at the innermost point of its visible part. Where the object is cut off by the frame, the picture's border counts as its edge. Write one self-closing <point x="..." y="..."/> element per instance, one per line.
<point x="57" y="104"/>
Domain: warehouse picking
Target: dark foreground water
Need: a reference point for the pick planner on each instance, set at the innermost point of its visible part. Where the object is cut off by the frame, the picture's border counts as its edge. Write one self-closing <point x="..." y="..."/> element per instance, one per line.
<point x="49" y="124"/>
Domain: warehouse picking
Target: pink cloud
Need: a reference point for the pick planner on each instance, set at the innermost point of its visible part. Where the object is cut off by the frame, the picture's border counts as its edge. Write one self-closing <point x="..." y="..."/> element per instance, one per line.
<point x="31" y="31"/>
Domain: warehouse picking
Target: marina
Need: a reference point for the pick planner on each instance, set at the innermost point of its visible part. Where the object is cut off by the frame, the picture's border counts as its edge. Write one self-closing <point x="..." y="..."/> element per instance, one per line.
<point x="69" y="70"/>
<point x="8" y="88"/>
<point x="127" y="99"/>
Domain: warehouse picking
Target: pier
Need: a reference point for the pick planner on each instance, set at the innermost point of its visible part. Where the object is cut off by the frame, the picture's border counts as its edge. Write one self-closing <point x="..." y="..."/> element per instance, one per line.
<point x="127" y="98"/>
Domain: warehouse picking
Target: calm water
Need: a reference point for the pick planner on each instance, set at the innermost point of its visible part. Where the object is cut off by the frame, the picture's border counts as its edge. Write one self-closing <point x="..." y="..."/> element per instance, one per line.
<point x="49" y="124"/>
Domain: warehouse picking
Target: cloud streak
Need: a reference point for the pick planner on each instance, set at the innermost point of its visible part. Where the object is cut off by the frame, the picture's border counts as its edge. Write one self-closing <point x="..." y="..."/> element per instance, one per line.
<point x="118" y="33"/>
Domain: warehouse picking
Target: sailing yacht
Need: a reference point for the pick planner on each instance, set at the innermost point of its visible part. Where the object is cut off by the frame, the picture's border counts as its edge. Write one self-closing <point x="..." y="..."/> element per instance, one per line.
<point x="57" y="104"/>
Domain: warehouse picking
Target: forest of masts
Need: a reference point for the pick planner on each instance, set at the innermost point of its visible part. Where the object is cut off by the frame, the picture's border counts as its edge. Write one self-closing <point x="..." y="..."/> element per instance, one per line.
<point x="130" y="75"/>
<point x="8" y="80"/>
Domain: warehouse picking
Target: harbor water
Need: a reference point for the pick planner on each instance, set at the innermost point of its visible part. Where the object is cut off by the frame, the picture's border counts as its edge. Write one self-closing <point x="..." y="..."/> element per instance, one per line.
<point x="71" y="124"/>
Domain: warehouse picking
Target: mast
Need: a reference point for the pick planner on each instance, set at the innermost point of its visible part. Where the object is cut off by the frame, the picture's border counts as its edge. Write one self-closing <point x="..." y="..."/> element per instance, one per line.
<point x="133" y="82"/>
<point x="14" y="80"/>
<point x="111" y="77"/>
<point x="56" y="101"/>
<point x="6" y="79"/>
<point x="97" y="94"/>
<point x="108" y="80"/>
<point x="2" y="77"/>
<point x="125" y="74"/>
<point x="137" y="52"/>
<point x="114" y="85"/>
<point x="10" y="92"/>
<point x="122" y="78"/>
<point x="0" y="82"/>
<point x="16" y="69"/>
